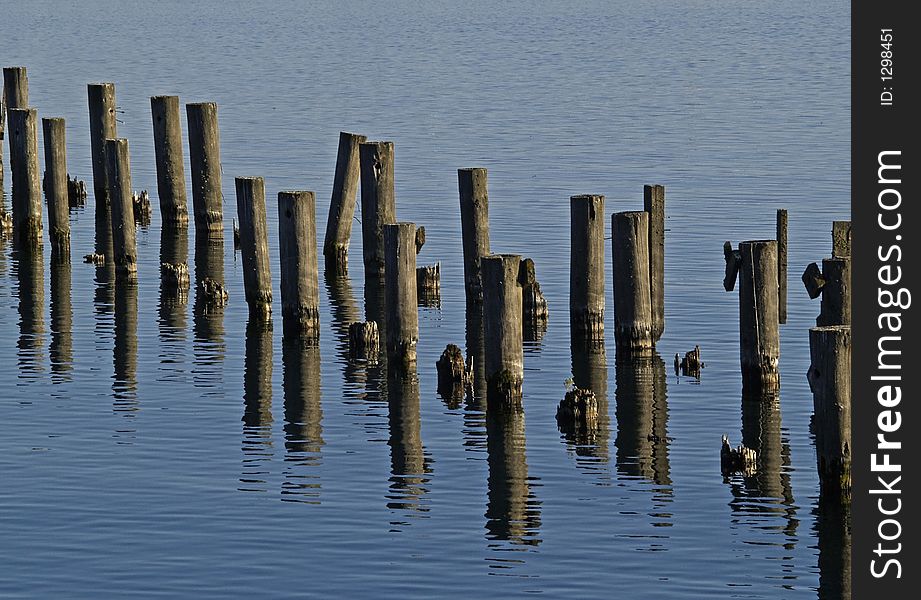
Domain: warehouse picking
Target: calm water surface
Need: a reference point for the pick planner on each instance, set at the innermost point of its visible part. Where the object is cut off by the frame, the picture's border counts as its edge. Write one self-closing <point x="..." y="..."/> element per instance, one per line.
<point x="151" y="447"/>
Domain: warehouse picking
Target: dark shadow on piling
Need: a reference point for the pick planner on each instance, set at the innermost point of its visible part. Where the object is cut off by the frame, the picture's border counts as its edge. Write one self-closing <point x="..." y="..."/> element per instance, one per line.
<point x="833" y="528"/>
<point x="512" y="510"/>
<point x="28" y="264"/>
<point x="61" y="349"/>
<point x="589" y="441"/>
<point x="764" y="500"/>
<point x="303" y="421"/>
<point x="257" y="405"/>
<point x="410" y="464"/>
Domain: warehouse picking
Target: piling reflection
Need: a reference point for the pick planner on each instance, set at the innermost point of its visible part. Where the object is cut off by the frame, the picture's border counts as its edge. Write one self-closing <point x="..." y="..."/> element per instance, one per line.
<point x="174" y="249"/>
<point x="512" y="510"/>
<point x="303" y="420"/>
<point x="642" y="418"/>
<point x="125" y="349"/>
<point x="61" y="350"/>
<point x="345" y="311"/>
<point x="29" y="266"/>
<point x="590" y="440"/>
<point x="257" y="405"/>
<point x="764" y="500"/>
<point x="208" y="314"/>
<point x="475" y="409"/>
<point x="833" y="528"/>
<point x="410" y="464"/>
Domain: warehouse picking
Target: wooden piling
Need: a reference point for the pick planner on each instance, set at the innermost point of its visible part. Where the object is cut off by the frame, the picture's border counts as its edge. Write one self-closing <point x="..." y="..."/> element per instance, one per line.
<point x="586" y="266"/>
<point x="836" y="292"/>
<point x="167" y="133"/>
<point x="26" y="193"/>
<point x="633" y="325"/>
<point x="474" y="208"/>
<point x="364" y="341"/>
<point x="841" y="239"/>
<point x="782" y="265"/>
<point x="56" y="193"/>
<point x="401" y="300"/>
<point x="654" y="205"/>
<point x="502" y="329"/>
<point x="101" y="98"/>
<point x="759" y="332"/>
<point x="254" y="244"/>
<point x="205" y="160"/>
<point x="300" y="283"/>
<point x="342" y="203"/>
<point x="377" y="201"/>
<point x="124" y="240"/>
<point x="534" y="310"/>
<point x="15" y="87"/>
<point x="830" y="381"/>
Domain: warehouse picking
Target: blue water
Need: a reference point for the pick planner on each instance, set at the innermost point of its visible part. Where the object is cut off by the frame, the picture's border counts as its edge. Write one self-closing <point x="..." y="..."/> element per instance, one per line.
<point x="149" y="450"/>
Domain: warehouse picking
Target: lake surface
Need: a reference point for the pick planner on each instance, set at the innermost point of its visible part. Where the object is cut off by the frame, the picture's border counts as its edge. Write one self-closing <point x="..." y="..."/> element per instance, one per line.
<point x="149" y="448"/>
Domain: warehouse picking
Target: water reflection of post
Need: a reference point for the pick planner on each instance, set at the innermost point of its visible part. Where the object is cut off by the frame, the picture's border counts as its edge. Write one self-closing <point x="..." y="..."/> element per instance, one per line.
<point x="29" y="262"/>
<point x="303" y="420"/>
<point x="409" y="463"/>
<point x="174" y="250"/>
<point x="125" y="349"/>
<point x="833" y="525"/>
<point x="61" y="351"/>
<point x="642" y="418"/>
<point x="104" y="294"/>
<point x="768" y="491"/>
<point x="475" y="410"/>
<point x="208" y="315"/>
<point x="590" y="371"/>
<point x="512" y="511"/>
<point x="257" y="403"/>
<point x="344" y="312"/>
<point x="375" y="310"/>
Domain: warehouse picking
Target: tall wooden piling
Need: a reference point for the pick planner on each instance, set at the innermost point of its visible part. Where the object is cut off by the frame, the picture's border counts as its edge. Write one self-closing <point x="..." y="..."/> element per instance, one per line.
<point x="401" y="300"/>
<point x="830" y="381"/>
<point x="124" y="239"/>
<point x="254" y="244"/>
<point x="205" y="160"/>
<point x="836" y="292"/>
<point x="342" y="204"/>
<point x="101" y="98"/>
<point x="56" y="186"/>
<point x="300" y="283"/>
<point x="167" y="133"/>
<point x="759" y="331"/>
<point x="841" y="239"/>
<point x="15" y="87"/>
<point x="474" y="208"/>
<point x="26" y="193"/>
<point x="502" y="329"/>
<point x="782" y="265"/>
<point x="633" y="320"/>
<point x="586" y="266"/>
<point x="654" y="205"/>
<point x="377" y="200"/>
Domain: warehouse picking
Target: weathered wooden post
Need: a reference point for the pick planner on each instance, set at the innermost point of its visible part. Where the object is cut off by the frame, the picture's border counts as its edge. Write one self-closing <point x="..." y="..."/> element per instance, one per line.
<point x="26" y="193"/>
<point x="502" y="328"/>
<point x="833" y="283"/>
<point x="56" y="187"/>
<point x="124" y="239"/>
<point x="654" y="205"/>
<point x="254" y="244"/>
<point x="205" y="160"/>
<point x="759" y="330"/>
<point x="401" y="300"/>
<point x="586" y="266"/>
<point x="474" y="207"/>
<point x="342" y="203"/>
<point x="101" y="98"/>
<point x="841" y="239"/>
<point x="534" y="310"/>
<point x="633" y="325"/>
<point x="782" y="265"/>
<point x="15" y="87"/>
<point x="167" y="133"/>
<point x="300" y="283"/>
<point x="377" y="201"/>
<point x="830" y="381"/>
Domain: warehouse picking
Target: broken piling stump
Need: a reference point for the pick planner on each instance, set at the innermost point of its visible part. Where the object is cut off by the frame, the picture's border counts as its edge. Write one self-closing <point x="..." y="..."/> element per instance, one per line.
<point x="691" y="364"/>
<point x="254" y="244"/>
<point x="586" y="266"/>
<point x="55" y="185"/>
<point x="455" y="375"/>
<point x="140" y="203"/>
<point x="342" y="204"/>
<point x="740" y="460"/>
<point x="167" y="134"/>
<point x="175" y="277"/>
<point x="76" y="192"/>
<point x="428" y="285"/>
<point x="502" y="328"/>
<point x="534" y="311"/>
<point x="205" y="161"/>
<point x="212" y="292"/>
<point x="124" y="237"/>
<point x="829" y="378"/>
<point x="633" y="325"/>
<point x="364" y="341"/>
<point x="577" y="416"/>
<point x="300" y="283"/>
<point x="401" y="301"/>
<point x="474" y="208"/>
<point x="377" y="201"/>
